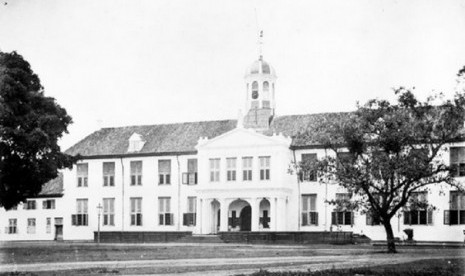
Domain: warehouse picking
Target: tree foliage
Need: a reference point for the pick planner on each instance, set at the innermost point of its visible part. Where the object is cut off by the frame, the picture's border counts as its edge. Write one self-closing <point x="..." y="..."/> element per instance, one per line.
<point x="392" y="152"/>
<point x="30" y="126"/>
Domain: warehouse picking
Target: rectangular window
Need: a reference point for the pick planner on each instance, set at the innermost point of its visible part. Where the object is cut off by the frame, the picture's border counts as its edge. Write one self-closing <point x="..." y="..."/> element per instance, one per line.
<point x="12" y="226"/>
<point x="214" y="170"/>
<point x="231" y="169"/>
<point x="48" y="204"/>
<point x="372" y="218"/>
<point x="247" y="168"/>
<point x="456" y="214"/>
<point x="264" y="168"/>
<point x="189" y="218"/>
<point x="81" y="217"/>
<point x="48" y="226"/>
<point x="109" y="211"/>
<point x="457" y="161"/>
<point x="136" y="211"/>
<point x="31" y="225"/>
<point x="309" y="213"/>
<point x="30" y="205"/>
<point x="108" y="174"/>
<point x="164" y="172"/>
<point x="165" y="217"/>
<point x="342" y="218"/>
<point x="136" y="173"/>
<point x="82" y="174"/>
<point x="418" y="216"/>
<point x="190" y="178"/>
<point x="308" y="172"/>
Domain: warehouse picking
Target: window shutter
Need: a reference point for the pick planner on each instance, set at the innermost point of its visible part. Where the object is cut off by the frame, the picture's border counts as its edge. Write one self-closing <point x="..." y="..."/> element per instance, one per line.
<point x="161" y="219"/>
<point x="44" y="204"/>
<point x="430" y="217"/>
<point x="333" y="218"/>
<point x="73" y="219"/>
<point x="406" y="218"/>
<point x="446" y="217"/>
<point x="369" y="218"/>
<point x="304" y="219"/>
<point x="185" y="219"/>
<point x="185" y="178"/>
<point x="316" y="218"/>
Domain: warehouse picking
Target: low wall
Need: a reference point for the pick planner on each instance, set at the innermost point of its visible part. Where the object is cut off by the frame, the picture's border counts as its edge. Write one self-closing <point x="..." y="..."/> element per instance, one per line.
<point x="140" y="236"/>
<point x="288" y="237"/>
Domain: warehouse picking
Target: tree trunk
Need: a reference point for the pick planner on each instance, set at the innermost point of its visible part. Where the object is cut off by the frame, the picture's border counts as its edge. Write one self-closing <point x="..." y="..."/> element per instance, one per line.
<point x="391" y="245"/>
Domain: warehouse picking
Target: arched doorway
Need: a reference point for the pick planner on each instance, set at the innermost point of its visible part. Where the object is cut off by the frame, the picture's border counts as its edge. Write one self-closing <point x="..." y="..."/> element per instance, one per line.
<point x="240" y="216"/>
<point x="246" y="218"/>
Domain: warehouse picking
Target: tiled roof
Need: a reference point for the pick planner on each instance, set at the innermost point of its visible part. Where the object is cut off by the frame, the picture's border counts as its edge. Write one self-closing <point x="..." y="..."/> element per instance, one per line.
<point x="183" y="137"/>
<point x="52" y="188"/>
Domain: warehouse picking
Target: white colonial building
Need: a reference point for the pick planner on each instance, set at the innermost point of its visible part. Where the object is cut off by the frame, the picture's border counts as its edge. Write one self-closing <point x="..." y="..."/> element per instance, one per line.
<point x="216" y="176"/>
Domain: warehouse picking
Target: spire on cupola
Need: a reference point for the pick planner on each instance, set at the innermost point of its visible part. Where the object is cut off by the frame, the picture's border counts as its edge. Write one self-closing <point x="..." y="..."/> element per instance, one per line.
<point x="260" y="80"/>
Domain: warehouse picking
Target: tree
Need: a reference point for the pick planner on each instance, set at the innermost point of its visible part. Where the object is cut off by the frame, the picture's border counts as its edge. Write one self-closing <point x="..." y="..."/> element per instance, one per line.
<point x="30" y="126"/>
<point x="392" y="152"/>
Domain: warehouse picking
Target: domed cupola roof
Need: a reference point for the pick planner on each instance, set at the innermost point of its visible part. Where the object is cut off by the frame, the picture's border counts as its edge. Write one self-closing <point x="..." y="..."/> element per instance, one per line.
<point x="260" y="67"/>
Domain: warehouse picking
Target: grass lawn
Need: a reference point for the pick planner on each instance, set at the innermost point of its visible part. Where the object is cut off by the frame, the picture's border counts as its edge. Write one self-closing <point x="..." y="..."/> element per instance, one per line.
<point x="433" y="267"/>
<point x="71" y="252"/>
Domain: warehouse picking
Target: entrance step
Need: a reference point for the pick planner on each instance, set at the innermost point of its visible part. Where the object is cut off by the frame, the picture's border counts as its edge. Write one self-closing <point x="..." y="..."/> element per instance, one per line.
<point x="200" y="239"/>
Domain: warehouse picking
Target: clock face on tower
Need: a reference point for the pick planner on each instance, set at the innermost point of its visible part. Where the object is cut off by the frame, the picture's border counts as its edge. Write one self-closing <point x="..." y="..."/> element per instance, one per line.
<point x="254" y="94"/>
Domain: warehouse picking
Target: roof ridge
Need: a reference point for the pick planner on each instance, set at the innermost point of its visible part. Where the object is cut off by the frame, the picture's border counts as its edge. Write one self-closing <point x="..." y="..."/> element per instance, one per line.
<point x="168" y="124"/>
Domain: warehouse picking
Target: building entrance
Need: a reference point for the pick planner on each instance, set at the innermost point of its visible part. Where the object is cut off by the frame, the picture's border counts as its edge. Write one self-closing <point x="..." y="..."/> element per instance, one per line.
<point x="246" y="218"/>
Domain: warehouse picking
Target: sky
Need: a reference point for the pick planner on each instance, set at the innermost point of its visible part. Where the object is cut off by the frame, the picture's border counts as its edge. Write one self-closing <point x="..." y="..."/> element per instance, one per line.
<point x="118" y="63"/>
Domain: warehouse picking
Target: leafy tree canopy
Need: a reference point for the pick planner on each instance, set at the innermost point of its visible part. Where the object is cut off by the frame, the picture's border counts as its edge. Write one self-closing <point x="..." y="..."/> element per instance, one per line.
<point x="30" y="126"/>
<point x="385" y="153"/>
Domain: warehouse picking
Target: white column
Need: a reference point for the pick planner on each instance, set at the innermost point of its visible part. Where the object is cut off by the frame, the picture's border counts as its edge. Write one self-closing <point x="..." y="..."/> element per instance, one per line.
<point x="224" y="215"/>
<point x="273" y="215"/>
<point x="255" y="206"/>
<point x="281" y="215"/>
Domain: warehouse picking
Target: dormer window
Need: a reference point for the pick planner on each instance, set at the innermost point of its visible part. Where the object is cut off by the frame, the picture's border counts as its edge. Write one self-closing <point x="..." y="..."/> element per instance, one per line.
<point x="136" y="143"/>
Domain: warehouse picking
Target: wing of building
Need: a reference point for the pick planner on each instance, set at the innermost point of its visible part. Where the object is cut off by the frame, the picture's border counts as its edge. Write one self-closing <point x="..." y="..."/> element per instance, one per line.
<point x="212" y="176"/>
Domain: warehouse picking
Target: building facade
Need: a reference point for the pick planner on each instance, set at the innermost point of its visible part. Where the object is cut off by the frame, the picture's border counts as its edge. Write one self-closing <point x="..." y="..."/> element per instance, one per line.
<point x="206" y="177"/>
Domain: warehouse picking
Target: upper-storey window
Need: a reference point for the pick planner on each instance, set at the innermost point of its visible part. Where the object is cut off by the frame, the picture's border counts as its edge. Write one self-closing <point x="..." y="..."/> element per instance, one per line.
<point x="457" y="161"/>
<point x="456" y="214"/>
<point x="231" y="169"/>
<point x="82" y="174"/>
<point x="214" y="170"/>
<point x="48" y="204"/>
<point x="190" y="177"/>
<point x="108" y="173"/>
<point x="12" y="226"/>
<point x="136" y="173"/>
<point x="30" y="205"/>
<point x="308" y="173"/>
<point x="247" y="168"/>
<point x="264" y="168"/>
<point x="164" y="172"/>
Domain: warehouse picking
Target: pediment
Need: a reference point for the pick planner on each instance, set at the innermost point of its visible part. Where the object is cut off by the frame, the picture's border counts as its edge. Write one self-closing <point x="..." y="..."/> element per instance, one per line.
<point x="242" y="138"/>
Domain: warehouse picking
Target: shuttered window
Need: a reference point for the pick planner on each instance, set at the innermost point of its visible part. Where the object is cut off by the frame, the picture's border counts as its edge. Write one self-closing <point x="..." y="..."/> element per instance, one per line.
<point x="309" y="213"/>
<point x="308" y="173"/>
<point x="136" y="173"/>
<point x="82" y="171"/>
<point x="164" y="172"/>
<point x="214" y="170"/>
<point x="247" y="168"/>
<point x="457" y="161"/>
<point x="231" y="169"/>
<point x="136" y="211"/>
<point x="108" y="173"/>
<point x="165" y="217"/>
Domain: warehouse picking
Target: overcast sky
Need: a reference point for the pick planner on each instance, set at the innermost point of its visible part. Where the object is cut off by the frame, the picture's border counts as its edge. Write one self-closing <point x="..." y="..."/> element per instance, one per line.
<point x="117" y="63"/>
